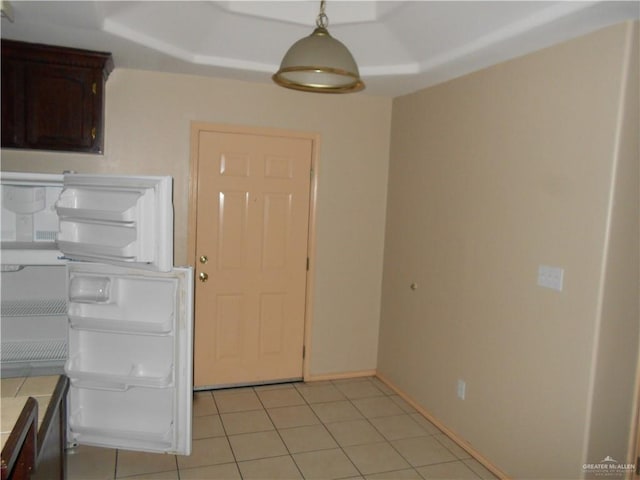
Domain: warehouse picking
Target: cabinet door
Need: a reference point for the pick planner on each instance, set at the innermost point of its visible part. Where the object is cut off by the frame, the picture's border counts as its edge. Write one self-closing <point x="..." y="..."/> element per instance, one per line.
<point x="60" y="107"/>
<point x="53" y="97"/>
<point x="12" y="99"/>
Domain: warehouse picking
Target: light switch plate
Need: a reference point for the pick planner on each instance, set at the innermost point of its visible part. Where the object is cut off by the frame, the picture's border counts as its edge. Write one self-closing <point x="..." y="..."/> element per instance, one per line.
<point x="551" y="277"/>
<point x="462" y="389"/>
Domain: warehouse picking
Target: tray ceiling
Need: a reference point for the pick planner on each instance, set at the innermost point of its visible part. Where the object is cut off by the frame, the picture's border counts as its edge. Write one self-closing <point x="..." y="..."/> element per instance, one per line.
<point x="400" y="46"/>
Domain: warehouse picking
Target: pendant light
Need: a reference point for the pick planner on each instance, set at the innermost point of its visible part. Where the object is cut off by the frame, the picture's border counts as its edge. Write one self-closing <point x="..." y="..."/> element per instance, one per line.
<point x="319" y="63"/>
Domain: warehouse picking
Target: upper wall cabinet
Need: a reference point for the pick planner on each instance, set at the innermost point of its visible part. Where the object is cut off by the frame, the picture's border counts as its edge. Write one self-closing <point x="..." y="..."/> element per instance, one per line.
<point x="53" y="97"/>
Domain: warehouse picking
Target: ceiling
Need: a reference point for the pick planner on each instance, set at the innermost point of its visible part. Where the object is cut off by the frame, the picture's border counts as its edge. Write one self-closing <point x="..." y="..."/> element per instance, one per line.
<point x="400" y="46"/>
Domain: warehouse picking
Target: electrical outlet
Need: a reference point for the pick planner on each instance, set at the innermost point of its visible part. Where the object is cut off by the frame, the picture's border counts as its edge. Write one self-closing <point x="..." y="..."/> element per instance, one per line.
<point x="462" y="389"/>
<point x="550" y="277"/>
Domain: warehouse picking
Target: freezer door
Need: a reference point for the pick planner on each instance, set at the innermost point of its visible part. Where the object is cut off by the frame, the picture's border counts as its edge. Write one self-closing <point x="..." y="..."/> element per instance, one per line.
<point x="120" y="220"/>
<point x="130" y="358"/>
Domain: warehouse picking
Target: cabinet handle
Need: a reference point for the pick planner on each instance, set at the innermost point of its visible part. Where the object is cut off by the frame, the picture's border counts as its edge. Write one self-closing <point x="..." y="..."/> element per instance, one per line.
<point x="203" y="277"/>
<point x="204" y="259"/>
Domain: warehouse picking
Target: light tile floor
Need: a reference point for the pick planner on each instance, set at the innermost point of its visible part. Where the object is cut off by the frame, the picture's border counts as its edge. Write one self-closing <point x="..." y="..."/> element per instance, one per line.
<point x="342" y="429"/>
<point x="14" y="393"/>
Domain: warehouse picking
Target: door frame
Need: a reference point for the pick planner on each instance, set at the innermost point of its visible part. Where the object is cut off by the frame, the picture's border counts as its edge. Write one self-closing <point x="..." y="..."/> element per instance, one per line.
<point x="196" y="128"/>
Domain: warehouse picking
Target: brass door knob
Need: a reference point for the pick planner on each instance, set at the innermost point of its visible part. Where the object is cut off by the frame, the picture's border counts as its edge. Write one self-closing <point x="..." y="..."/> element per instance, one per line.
<point x="203" y="277"/>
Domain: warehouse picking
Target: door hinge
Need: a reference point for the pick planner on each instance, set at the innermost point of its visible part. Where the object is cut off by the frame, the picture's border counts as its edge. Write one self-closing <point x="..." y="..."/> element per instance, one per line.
<point x="311" y="173"/>
<point x="307" y="264"/>
<point x="94" y="88"/>
<point x="304" y="351"/>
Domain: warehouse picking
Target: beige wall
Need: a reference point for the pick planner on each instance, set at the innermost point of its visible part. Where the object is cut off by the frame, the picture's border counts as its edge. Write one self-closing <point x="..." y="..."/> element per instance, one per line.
<point x="492" y="175"/>
<point x="148" y="118"/>
<point x="617" y="341"/>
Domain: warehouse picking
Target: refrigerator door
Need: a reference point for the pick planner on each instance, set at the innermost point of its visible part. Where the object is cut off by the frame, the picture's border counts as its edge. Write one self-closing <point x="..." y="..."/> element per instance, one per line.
<point x="130" y="358"/>
<point x="120" y="220"/>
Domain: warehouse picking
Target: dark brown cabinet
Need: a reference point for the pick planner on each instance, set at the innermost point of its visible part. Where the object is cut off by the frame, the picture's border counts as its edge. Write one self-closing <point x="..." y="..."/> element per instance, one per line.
<point x="53" y="97"/>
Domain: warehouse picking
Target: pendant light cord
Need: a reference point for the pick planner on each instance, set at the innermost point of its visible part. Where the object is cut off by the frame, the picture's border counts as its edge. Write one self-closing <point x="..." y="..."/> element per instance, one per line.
<point x="322" y="21"/>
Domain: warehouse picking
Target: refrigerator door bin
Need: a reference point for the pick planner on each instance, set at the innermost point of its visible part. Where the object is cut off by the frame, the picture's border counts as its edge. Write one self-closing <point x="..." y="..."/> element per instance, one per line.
<point x="160" y="326"/>
<point x="117" y="241"/>
<point x="138" y="419"/>
<point x="133" y="303"/>
<point x="120" y="360"/>
<point x="115" y="205"/>
<point x="123" y="220"/>
<point x="89" y="289"/>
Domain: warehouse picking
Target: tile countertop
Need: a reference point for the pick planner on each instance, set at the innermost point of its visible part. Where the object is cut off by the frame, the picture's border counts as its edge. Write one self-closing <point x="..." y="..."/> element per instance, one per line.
<point x="14" y="393"/>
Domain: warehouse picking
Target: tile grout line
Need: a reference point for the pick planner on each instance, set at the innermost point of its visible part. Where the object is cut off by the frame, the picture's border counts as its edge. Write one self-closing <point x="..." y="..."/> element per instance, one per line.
<point x="389" y="442"/>
<point x="278" y="432"/>
<point x="368" y="420"/>
<point x="365" y="418"/>
<point x="428" y="434"/>
<point x="226" y="435"/>
<point x="324" y="425"/>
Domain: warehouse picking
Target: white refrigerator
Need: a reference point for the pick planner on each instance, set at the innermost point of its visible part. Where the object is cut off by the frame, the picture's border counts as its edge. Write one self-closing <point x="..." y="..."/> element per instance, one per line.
<point x="88" y="281"/>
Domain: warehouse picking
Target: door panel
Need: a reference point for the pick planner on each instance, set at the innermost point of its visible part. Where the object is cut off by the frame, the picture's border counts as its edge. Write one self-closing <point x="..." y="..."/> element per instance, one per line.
<point x="252" y="226"/>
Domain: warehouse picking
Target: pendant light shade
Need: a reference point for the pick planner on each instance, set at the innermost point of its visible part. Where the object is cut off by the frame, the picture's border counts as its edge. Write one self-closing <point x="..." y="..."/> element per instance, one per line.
<point x="319" y="63"/>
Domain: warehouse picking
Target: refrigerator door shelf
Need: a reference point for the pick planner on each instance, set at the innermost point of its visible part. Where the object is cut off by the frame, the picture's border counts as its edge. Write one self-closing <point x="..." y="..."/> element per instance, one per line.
<point x="81" y="247"/>
<point x="84" y="371"/>
<point x="136" y="416"/>
<point x="132" y="436"/>
<point x="124" y="327"/>
<point x="159" y="442"/>
<point x="132" y="303"/>
<point x="122" y="220"/>
<point x="119" y="384"/>
<point x="116" y="356"/>
<point x="113" y="382"/>
<point x="113" y="205"/>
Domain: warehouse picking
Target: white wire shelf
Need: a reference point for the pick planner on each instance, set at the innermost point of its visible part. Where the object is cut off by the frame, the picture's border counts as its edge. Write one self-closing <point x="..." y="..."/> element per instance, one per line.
<point x="34" y="308"/>
<point x="29" y="351"/>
